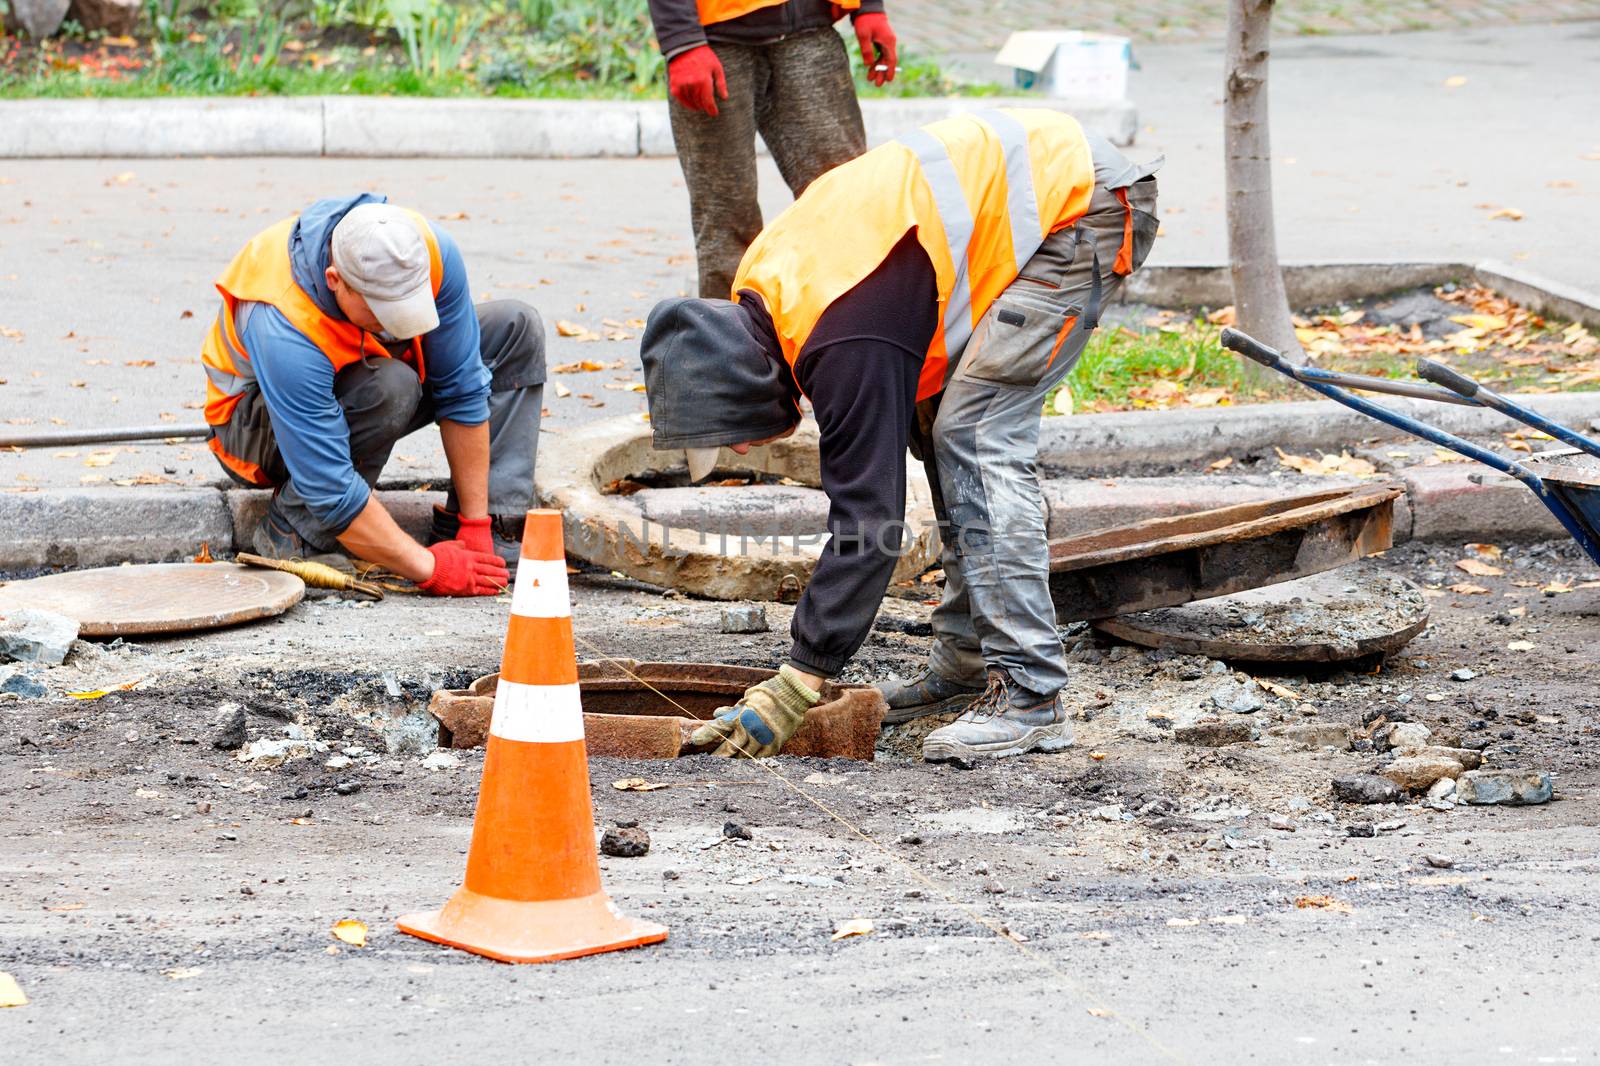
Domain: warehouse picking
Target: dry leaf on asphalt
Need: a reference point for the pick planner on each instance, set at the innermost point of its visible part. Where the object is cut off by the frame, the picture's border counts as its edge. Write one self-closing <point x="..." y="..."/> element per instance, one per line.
<point x="11" y="994"/>
<point x="350" y="931"/>
<point x="1555" y="587"/>
<point x="1478" y="568"/>
<point x="1281" y="691"/>
<point x="565" y="328"/>
<point x="96" y="693"/>
<point x="1343" y="463"/>
<point x="1323" y="903"/>
<point x="1487" y="551"/>
<point x="1455" y="81"/>
<point x="1099" y="1012"/>
<point x="638" y="784"/>
<point x="1510" y="214"/>
<point x="1520" y="645"/>
<point x="1467" y="588"/>
<point x="852" y="927"/>
<point x="585" y="366"/>
<point x="1221" y="464"/>
<point x="179" y="973"/>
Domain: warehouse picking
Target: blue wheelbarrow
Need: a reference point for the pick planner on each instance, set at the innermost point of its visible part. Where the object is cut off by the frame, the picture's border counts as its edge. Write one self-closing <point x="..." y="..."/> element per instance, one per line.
<point x="1565" y="480"/>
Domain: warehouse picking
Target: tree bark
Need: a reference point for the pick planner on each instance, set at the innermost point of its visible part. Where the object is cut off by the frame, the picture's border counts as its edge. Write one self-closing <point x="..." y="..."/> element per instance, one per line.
<point x="1261" y="305"/>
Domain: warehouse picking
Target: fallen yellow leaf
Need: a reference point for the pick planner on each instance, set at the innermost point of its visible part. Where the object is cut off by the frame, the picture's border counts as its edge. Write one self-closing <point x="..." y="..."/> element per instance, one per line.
<point x="96" y="693"/>
<point x="1478" y="568"/>
<point x="1467" y="588"/>
<point x="1325" y="903"/>
<point x="1483" y="322"/>
<point x="11" y="994"/>
<point x="351" y="931"/>
<point x="1488" y="551"/>
<point x="179" y="973"/>
<point x="1221" y="464"/>
<point x="1099" y="1012"/>
<point x="1281" y="691"/>
<point x="852" y="927"/>
<point x="1510" y="214"/>
<point x="637" y="784"/>
<point x="1520" y="645"/>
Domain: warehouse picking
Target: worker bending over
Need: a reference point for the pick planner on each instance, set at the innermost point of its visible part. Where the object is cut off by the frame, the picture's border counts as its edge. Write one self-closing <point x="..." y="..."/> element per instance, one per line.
<point x="777" y="67"/>
<point x="929" y="293"/>
<point x="342" y="330"/>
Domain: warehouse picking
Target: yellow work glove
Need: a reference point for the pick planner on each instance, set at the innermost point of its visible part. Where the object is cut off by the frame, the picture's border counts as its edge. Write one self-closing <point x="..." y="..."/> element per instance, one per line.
<point x="763" y="720"/>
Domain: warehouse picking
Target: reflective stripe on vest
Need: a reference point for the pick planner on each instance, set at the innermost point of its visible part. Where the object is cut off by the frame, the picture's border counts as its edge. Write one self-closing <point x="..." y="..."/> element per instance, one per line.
<point x="714" y="11"/>
<point x="981" y="190"/>
<point x="262" y="273"/>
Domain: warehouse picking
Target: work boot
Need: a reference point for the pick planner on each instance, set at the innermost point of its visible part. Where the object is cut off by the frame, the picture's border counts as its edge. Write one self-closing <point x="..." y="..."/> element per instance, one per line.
<point x="506" y="530"/>
<point x="1006" y="720"/>
<point x="275" y="538"/>
<point x="929" y="694"/>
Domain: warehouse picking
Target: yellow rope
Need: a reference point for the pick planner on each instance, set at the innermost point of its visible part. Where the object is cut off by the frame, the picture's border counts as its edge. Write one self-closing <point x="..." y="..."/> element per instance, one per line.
<point x="315" y="575"/>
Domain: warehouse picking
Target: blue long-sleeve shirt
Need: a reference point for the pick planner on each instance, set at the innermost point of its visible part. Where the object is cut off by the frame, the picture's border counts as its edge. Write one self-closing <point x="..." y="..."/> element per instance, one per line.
<point x="296" y="379"/>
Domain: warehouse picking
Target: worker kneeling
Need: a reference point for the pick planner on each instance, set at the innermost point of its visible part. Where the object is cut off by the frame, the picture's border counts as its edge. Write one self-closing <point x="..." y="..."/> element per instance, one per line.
<point x="929" y="293"/>
<point x="341" y="331"/>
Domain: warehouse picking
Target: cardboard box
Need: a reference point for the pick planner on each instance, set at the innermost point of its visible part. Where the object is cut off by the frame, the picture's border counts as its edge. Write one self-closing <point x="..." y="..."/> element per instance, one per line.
<point x="1069" y="63"/>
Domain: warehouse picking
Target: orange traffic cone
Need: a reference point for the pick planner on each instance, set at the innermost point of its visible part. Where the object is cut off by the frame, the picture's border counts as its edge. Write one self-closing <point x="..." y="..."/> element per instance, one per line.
<point x="532" y="891"/>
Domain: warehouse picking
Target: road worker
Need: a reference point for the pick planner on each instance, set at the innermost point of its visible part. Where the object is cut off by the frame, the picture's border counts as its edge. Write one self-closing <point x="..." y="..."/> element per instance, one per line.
<point x="342" y="330"/>
<point x="929" y="293"/>
<point x="777" y="67"/>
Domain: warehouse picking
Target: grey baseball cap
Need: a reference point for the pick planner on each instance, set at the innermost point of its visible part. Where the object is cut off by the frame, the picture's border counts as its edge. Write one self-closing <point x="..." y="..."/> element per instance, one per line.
<point x="381" y="255"/>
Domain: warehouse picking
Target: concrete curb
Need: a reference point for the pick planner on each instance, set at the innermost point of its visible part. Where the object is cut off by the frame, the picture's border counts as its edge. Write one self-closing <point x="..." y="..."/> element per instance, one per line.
<point x="1312" y="284"/>
<point x="1082" y="444"/>
<point x="423" y="127"/>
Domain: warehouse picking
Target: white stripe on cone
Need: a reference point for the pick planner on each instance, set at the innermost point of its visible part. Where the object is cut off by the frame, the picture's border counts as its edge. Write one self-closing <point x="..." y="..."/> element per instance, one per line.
<point x="541" y="589"/>
<point x="537" y="714"/>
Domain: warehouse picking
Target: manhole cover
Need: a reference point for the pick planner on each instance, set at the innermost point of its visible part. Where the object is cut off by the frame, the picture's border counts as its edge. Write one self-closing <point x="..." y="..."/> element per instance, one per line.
<point x="1329" y="617"/>
<point x="160" y="598"/>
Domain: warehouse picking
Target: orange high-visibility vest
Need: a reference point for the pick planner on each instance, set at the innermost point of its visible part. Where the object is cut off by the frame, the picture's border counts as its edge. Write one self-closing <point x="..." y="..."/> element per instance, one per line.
<point x="712" y="11"/>
<point x="982" y="190"/>
<point x="262" y="273"/>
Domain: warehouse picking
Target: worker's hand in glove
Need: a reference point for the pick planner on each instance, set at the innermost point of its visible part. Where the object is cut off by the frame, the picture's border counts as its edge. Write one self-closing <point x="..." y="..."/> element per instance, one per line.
<point x="877" y="46"/>
<point x="695" y="79"/>
<point x="477" y="534"/>
<point x="763" y="720"/>
<point x="460" y="571"/>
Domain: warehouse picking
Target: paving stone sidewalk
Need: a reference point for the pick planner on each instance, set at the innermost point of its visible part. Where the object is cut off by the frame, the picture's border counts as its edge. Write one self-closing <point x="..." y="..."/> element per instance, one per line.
<point x="966" y="26"/>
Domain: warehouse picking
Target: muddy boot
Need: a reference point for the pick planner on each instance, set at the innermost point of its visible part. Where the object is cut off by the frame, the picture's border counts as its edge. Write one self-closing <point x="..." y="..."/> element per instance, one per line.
<point x="1006" y="720"/>
<point x="929" y="694"/>
<point x="275" y="538"/>
<point x="507" y="532"/>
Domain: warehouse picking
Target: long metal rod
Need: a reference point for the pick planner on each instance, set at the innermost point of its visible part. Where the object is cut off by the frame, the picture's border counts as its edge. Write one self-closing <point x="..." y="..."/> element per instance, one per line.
<point x="56" y="437"/>
<point x="1366" y="383"/>
<point x="1251" y="348"/>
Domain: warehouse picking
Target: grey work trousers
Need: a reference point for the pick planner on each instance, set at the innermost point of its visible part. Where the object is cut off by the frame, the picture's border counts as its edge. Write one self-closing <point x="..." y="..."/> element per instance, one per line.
<point x="979" y="441"/>
<point x="797" y="93"/>
<point x="383" y="401"/>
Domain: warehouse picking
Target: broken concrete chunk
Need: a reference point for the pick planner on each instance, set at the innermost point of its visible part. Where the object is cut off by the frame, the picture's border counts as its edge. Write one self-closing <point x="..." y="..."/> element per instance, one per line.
<point x="1366" y="788"/>
<point x="1314" y="735"/>
<point x="24" y="685"/>
<point x="1405" y="735"/>
<point x="228" y="727"/>
<point x="1238" y="697"/>
<point x="34" y="636"/>
<point x="440" y="760"/>
<point x="625" y="843"/>
<point x="1442" y="794"/>
<point x="736" y="831"/>
<point x="1418" y="773"/>
<point x="1467" y="757"/>
<point x="1215" y="734"/>
<point x="744" y="618"/>
<point x="1511" y="787"/>
<point x="1463" y="674"/>
<point x="267" y="753"/>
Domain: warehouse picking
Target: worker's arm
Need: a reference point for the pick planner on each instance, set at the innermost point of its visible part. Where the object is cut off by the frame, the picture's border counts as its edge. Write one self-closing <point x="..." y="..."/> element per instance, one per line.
<point x="863" y="392"/>
<point x="466" y="449"/>
<point x="374" y="536"/>
<point x="677" y="26"/>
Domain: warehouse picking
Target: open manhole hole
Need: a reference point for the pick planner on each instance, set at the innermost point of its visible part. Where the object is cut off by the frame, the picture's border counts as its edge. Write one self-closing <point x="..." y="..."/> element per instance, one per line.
<point x="753" y="531"/>
<point x="635" y="710"/>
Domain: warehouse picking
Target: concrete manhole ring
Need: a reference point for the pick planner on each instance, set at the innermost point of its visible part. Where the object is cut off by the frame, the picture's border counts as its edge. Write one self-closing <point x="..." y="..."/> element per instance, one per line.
<point x="770" y="563"/>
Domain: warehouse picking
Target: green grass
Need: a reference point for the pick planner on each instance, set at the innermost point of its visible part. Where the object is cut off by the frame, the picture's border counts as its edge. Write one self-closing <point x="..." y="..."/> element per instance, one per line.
<point x="1118" y="362"/>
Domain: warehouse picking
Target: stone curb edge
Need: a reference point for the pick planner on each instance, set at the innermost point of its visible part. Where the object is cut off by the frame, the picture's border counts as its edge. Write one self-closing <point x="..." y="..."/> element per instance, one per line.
<point x="424" y="127"/>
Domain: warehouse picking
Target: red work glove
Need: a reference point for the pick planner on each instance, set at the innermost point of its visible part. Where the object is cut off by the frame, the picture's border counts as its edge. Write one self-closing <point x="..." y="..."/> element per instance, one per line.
<point x="476" y="534"/>
<point x="872" y="30"/>
<point x="695" y="79"/>
<point x="460" y="571"/>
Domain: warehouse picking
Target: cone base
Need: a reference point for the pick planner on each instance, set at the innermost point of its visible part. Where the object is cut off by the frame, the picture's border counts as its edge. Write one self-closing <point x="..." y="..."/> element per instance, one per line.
<point x="531" y="931"/>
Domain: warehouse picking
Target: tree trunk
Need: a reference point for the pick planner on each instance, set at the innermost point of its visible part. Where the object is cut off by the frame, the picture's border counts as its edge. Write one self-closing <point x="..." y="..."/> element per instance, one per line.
<point x="1260" y="304"/>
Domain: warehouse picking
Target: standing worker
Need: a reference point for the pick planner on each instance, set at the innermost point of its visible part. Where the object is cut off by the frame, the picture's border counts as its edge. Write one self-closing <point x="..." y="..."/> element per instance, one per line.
<point x="342" y="330"/>
<point x="777" y="67"/>
<point x="931" y="292"/>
